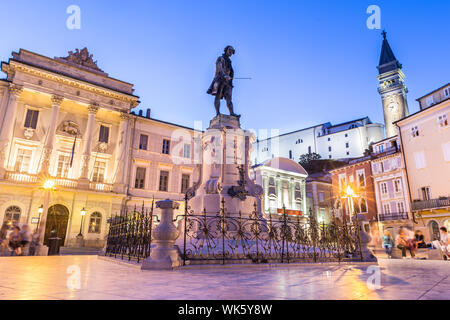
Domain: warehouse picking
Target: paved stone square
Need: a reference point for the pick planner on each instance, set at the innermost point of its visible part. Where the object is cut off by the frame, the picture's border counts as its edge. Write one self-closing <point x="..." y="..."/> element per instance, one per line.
<point x="47" y="277"/>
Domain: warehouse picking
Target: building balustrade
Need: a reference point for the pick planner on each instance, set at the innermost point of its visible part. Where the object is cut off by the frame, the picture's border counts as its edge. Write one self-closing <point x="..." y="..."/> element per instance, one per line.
<point x="431" y="204"/>
<point x="28" y="178"/>
<point x="393" y="216"/>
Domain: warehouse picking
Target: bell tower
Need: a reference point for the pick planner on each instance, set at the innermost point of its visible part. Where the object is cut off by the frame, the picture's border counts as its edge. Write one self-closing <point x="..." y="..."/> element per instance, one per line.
<point x="391" y="88"/>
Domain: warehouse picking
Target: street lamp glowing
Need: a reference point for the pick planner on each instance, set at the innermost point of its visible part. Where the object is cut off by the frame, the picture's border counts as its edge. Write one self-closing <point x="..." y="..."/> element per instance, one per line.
<point x="49" y="184"/>
<point x="349" y="192"/>
<point x="83" y="212"/>
<point x="41" y="209"/>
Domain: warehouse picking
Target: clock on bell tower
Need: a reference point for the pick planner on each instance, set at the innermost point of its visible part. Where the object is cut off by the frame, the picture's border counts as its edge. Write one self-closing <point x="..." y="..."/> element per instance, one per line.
<point x="391" y="88"/>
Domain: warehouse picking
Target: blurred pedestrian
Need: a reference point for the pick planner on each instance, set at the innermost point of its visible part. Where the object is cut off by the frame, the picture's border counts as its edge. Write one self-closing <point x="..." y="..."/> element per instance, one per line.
<point x="26" y="237"/>
<point x="444" y="243"/>
<point x="387" y="243"/>
<point x="15" y="241"/>
<point x="404" y="244"/>
<point x="4" y="248"/>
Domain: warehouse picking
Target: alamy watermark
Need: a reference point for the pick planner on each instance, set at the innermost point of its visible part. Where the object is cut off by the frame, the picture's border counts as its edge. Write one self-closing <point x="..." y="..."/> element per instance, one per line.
<point x="374" y="20"/>
<point x="73" y="22"/>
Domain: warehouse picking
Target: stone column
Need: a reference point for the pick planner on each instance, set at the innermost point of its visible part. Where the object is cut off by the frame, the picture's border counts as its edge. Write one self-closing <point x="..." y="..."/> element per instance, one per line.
<point x="121" y="153"/>
<point x="48" y="146"/>
<point x="165" y="255"/>
<point x="84" y="177"/>
<point x="8" y="124"/>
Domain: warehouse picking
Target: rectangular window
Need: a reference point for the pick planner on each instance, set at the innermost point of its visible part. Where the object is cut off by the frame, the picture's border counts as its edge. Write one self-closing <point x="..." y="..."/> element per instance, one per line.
<point x="143" y="141"/>
<point x="361" y="178"/>
<point x="163" y="181"/>
<point x="383" y="187"/>
<point x="442" y="120"/>
<point x="400" y="207"/>
<point x="419" y="158"/>
<point x="426" y="193"/>
<point x="23" y="160"/>
<point x="166" y="146"/>
<point x="99" y="171"/>
<point x="363" y="204"/>
<point x="184" y="183"/>
<point x="387" y="208"/>
<point x="430" y="101"/>
<point x="446" y="151"/>
<point x="321" y="196"/>
<point x="347" y="145"/>
<point x="139" y="182"/>
<point x="397" y="185"/>
<point x="103" y="135"/>
<point x="63" y="166"/>
<point x="31" y="119"/>
<point x="187" y="151"/>
<point x="290" y="154"/>
<point x="447" y="92"/>
<point x="414" y="131"/>
<point x="329" y="149"/>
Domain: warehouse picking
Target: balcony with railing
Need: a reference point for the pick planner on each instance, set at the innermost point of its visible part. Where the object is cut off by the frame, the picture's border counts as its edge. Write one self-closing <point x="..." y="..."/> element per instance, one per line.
<point x="393" y="216"/>
<point x="443" y="202"/>
<point x="36" y="180"/>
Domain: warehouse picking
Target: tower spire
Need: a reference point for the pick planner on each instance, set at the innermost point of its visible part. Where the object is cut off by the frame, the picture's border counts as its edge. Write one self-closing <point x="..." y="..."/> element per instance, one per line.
<point x="388" y="62"/>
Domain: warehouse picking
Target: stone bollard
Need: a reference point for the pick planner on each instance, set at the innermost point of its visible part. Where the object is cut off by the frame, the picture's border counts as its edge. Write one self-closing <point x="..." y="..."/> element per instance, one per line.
<point x="165" y="255"/>
<point x="367" y="254"/>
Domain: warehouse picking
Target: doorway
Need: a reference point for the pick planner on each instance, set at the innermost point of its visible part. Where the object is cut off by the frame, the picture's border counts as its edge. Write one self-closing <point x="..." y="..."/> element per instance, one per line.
<point x="57" y="220"/>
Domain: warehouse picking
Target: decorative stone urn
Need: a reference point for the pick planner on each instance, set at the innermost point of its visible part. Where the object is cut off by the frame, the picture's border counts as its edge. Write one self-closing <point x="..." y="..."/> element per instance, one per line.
<point x="367" y="254"/>
<point x="165" y="255"/>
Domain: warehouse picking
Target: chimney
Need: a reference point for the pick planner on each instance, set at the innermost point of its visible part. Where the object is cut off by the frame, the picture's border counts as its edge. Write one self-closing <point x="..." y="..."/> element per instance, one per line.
<point x="140" y="113"/>
<point x="148" y="113"/>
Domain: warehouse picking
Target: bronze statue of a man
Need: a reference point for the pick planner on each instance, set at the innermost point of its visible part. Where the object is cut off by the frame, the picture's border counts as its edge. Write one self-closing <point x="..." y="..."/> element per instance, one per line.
<point x="222" y="85"/>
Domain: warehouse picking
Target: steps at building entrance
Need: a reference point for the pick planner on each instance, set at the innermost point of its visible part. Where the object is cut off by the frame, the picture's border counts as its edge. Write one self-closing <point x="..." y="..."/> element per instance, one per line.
<point x="79" y="251"/>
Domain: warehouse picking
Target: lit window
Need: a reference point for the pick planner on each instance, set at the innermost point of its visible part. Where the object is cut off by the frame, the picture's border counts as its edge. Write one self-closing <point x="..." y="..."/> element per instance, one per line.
<point x="143" y="142"/>
<point x="166" y="146"/>
<point x="12" y="215"/>
<point x="443" y="122"/>
<point x="23" y="160"/>
<point x="163" y="181"/>
<point x="321" y="196"/>
<point x="31" y="119"/>
<point x="139" y="181"/>
<point x="361" y="179"/>
<point x="103" y="135"/>
<point x="414" y="131"/>
<point x="99" y="171"/>
<point x="95" y="222"/>
<point x="63" y="166"/>
<point x="363" y="204"/>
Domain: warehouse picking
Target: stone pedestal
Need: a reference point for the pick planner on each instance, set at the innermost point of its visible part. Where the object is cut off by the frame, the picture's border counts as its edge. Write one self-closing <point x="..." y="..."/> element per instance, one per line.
<point x="225" y="169"/>
<point x="165" y="255"/>
<point x="367" y="254"/>
<point x="79" y="241"/>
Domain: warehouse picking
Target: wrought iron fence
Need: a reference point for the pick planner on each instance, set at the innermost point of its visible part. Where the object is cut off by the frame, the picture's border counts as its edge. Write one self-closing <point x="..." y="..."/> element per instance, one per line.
<point x="238" y="238"/>
<point x="130" y="234"/>
<point x="224" y="238"/>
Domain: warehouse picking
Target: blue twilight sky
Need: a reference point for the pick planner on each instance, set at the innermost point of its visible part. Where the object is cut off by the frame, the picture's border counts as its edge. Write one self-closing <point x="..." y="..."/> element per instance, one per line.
<point x="311" y="61"/>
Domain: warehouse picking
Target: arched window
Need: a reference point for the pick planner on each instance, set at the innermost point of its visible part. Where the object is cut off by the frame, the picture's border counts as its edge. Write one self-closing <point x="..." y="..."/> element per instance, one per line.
<point x="12" y="215"/>
<point x="434" y="230"/>
<point x="95" y="222"/>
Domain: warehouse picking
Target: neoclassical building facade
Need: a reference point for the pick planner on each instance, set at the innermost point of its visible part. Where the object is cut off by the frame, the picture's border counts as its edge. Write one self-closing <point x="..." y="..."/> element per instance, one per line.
<point x="65" y="120"/>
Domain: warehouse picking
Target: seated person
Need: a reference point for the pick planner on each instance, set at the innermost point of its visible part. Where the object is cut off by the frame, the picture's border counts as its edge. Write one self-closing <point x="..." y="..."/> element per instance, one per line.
<point x="420" y="242"/>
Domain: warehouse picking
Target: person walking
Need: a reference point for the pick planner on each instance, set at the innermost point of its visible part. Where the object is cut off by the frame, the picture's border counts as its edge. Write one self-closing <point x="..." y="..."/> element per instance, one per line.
<point x="15" y="241"/>
<point x="387" y="243"/>
<point x="4" y="248"/>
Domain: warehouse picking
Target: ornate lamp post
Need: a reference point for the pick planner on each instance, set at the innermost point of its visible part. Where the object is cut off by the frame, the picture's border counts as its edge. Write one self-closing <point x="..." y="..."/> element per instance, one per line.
<point x="80" y="240"/>
<point x="48" y="186"/>
<point x="82" y="213"/>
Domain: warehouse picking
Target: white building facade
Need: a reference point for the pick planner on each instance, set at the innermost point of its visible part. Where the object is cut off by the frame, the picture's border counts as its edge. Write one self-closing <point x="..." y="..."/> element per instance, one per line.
<point x="345" y="140"/>
<point x="283" y="182"/>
